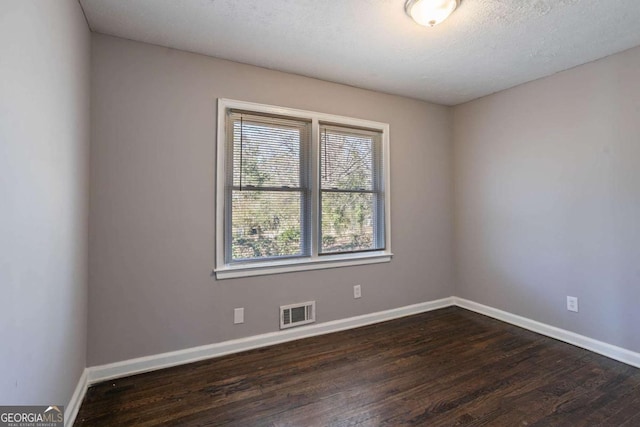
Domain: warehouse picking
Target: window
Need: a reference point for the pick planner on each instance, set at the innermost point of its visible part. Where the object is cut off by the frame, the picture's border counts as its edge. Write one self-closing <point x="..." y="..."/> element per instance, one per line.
<point x="299" y="190"/>
<point x="268" y="191"/>
<point x="351" y="199"/>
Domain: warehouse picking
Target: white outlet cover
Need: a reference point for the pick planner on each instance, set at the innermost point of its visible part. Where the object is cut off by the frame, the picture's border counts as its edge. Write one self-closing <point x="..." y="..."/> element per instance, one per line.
<point x="357" y="291"/>
<point x="572" y="304"/>
<point x="238" y="315"/>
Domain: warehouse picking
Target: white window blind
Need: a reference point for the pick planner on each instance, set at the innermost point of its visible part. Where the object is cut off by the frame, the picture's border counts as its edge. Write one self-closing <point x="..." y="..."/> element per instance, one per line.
<point x="268" y="197"/>
<point x="352" y="201"/>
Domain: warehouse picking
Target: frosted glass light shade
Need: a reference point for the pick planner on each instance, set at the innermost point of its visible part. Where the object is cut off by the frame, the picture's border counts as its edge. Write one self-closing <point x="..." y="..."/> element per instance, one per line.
<point x="430" y="12"/>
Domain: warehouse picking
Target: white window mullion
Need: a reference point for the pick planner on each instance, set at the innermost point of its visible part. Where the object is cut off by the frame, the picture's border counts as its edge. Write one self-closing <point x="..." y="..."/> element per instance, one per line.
<point x="315" y="187"/>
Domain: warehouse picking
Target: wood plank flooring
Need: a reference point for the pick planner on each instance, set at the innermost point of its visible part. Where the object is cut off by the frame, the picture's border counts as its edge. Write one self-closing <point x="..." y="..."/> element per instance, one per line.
<point x="447" y="367"/>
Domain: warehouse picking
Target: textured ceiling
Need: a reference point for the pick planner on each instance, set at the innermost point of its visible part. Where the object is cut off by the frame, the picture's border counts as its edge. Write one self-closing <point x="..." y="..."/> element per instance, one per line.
<point x="484" y="47"/>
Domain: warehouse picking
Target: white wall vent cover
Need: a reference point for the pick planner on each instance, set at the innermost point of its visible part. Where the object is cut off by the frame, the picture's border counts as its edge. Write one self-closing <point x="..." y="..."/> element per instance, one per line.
<point x="297" y="314"/>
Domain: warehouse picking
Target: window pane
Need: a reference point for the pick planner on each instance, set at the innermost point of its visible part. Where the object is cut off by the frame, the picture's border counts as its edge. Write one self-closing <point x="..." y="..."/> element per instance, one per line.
<point x="347" y="222"/>
<point x="265" y="154"/>
<point x="346" y="160"/>
<point x="265" y="224"/>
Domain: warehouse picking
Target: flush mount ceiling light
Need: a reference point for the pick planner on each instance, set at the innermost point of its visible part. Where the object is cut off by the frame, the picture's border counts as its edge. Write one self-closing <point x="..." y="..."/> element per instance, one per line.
<point x="430" y="12"/>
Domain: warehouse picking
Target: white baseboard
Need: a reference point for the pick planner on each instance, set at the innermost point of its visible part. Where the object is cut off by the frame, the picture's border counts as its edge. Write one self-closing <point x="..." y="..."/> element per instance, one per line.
<point x="617" y="353"/>
<point x="96" y="374"/>
<point x="72" y="408"/>
<point x="189" y="355"/>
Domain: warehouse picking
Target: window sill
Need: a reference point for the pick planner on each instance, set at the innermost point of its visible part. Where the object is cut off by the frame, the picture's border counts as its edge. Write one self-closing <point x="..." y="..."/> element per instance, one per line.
<point x="303" y="264"/>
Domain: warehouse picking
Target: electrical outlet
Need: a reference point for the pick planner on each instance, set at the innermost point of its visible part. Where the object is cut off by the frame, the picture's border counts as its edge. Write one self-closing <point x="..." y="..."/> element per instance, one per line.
<point x="238" y="315"/>
<point x="572" y="304"/>
<point x="357" y="291"/>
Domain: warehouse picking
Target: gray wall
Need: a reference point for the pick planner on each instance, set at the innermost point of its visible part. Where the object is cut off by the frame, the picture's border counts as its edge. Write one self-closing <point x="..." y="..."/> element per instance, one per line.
<point x="152" y="203"/>
<point x="44" y="137"/>
<point x="547" y="199"/>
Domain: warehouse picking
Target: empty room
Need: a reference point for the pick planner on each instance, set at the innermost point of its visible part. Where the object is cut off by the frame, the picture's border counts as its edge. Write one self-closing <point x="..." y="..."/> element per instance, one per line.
<point x="320" y="213"/>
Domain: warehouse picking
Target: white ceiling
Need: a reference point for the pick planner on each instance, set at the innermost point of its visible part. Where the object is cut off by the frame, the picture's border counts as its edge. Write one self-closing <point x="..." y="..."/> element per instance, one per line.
<point x="484" y="47"/>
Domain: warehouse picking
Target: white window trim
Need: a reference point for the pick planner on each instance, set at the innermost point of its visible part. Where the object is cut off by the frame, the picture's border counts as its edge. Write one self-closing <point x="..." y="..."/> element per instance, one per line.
<point x="314" y="261"/>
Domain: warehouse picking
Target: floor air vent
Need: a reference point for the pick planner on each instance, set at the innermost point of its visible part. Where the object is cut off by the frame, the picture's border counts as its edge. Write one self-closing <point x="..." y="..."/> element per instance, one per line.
<point x="297" y="314"/>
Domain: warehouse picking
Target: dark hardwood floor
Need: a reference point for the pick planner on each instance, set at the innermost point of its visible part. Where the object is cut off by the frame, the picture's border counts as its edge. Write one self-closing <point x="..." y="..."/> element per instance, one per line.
<point x="443" y="368"/>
